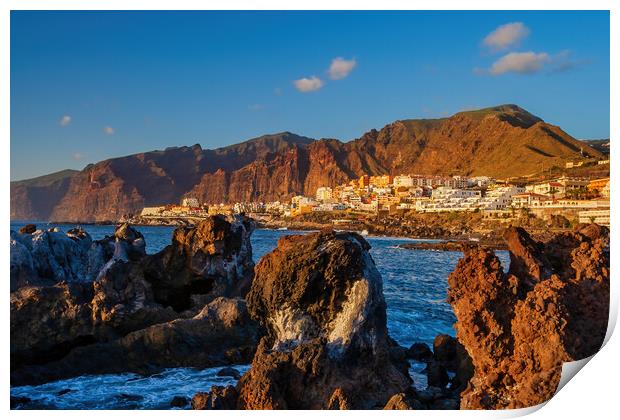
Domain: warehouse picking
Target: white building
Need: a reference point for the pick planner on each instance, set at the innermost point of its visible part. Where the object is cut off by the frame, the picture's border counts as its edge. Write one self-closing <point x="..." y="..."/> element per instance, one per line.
<point x="404" y="181"/>
<point x="448" y="192"/>
<point x="330" y="207"/>
<point x="528" y="200"/>
<point x="457" y="182"/>
<point x="190" y="202"/>
<point x="600" y="217"/>
<point x="323" y="193"/>
<point x="152" y="211"/>
<point x="500" y="198"/>
<point x="550" y="188"/>
<point x="481" y="181"/>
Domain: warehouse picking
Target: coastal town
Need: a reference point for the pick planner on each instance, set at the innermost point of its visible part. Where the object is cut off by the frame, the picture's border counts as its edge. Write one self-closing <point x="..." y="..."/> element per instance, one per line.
<point x="582" y="199"/>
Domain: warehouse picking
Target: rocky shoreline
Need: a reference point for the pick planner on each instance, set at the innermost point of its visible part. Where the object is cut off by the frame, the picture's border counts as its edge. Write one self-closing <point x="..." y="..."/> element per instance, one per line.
<point x="455" y="245"/>
<point x="310" y="317"/>
<point x="80" y="306"/>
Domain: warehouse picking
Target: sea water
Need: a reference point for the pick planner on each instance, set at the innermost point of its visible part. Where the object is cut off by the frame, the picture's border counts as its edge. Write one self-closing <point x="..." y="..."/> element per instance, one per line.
<point x="414" y="285"/>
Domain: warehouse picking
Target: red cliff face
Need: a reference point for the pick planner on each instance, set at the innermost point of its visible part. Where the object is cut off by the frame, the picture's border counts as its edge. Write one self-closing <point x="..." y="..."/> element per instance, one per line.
<point x="551" y="307"/>
<point x="501" y="141"/>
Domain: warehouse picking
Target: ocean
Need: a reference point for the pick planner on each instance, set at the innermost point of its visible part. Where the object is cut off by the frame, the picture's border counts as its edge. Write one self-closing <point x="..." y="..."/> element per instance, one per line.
<point x="414" y="285"/>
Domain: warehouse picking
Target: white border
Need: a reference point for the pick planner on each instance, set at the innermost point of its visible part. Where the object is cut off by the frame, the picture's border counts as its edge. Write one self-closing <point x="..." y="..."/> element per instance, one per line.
<point x="593" y="394"/>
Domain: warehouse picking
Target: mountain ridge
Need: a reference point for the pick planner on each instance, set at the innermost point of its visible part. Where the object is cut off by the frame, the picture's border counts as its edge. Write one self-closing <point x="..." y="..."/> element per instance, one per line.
<point x="499" y="141"/>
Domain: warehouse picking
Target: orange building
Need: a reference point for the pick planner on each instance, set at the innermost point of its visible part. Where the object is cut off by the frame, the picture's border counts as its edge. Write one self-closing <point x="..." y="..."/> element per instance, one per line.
<point x="598" y="184"/>
<point x="382" y="180"/>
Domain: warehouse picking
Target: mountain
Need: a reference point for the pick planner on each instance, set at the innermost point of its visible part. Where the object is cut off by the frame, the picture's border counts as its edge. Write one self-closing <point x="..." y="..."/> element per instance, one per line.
<point x="502" y="141"/>
<point x="33" y="198"/>
<point x="602" y="145"/>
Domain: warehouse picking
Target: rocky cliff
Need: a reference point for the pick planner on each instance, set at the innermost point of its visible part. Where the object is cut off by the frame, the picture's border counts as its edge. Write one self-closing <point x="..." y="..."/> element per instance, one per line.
<point x="86" y="307"/>
<point x="501" y="141"/>
<point x="320" y="299"/>
<point x="520" y="325"/>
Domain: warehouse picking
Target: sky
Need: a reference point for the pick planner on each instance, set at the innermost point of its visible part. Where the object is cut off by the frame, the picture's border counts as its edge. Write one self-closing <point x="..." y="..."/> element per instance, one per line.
<point x="87" y="86"/>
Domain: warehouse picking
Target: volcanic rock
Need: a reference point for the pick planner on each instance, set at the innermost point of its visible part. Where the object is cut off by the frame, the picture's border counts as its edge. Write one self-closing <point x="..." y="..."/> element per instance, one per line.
<point x="219" y="398"/>
<point x="319" y="297"/>
<point x="179" y="401"/>
<point x="47" y="321"/>
<point x="551" y="307"/>
<point x="48" y="257"/>
<point x="222" y="333"/>
<point x="339" y="401"/>
<point x="126" y="317"/>
<point x="420" y="352"/>
<point x="404" y="401"/>
<point x="28" y="229"/>
<point x="444" y="348"/>
<point x="437" y="374"/>
<point x="228" y="371"/>
<point x="212" y="259"/>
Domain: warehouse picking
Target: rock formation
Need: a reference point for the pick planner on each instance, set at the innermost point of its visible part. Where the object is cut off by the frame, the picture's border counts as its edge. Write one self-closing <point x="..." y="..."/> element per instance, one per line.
<point x="319" y="297"/>
<point x="218" y="398"/>
<point x="520" y="326"/>
<point x="45" y="257"/>
<point x="212" y="259"/>
<point x="279" y="166"/>
<point x="221" y="334"/>
<point x="102" y="306"/>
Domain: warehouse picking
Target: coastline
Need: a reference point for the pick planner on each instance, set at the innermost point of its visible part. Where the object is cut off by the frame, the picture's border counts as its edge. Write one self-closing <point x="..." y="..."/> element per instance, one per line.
<point x="434" y="232"/>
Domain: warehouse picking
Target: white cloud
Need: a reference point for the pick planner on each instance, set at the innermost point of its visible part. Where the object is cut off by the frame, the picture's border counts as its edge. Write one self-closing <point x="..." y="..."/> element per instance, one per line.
<point x="340" y="68"/>
<point x="564" y="61"/>
<point x="506" y="36"/>
<point x="308" y="84"/>
<point x="108" y="130"/>
<point x="65" y="120"/>
<point x="522" y="63"/>
<point x="78" y="156"/>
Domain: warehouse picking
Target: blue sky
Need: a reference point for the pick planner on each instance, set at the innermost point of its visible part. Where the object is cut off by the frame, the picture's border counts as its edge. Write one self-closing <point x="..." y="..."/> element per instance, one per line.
<point x="86" y="86"/>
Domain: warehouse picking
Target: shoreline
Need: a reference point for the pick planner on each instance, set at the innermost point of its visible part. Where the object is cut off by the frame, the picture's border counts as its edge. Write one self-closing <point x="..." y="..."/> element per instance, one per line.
<point x="271" y="227"/>
<point x="418" y="234"/>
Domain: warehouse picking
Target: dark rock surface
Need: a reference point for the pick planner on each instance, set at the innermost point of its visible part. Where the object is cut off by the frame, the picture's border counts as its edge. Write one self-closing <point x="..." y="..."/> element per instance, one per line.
<point x="212" y="259"/>
<point x="179" y="401"/>
<point x="125" y="318"/>
<point x="229" y="371"/>
<point x="420" y="352"/>
<point x="319" y="297"/>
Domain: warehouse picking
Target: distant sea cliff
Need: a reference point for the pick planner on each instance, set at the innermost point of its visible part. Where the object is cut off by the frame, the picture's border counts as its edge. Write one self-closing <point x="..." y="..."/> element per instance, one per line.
<point x="503" y="141"/>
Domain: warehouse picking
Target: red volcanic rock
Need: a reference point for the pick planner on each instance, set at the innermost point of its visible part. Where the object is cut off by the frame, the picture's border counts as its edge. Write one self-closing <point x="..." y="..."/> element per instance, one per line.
<point x="319" y="297"/>
<point x="28" y="229"/>
<point x="219" y="398"/>
<point x="339" y="401"/>
<point x="519" y="327"/>
<point x="404" y="401"/>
